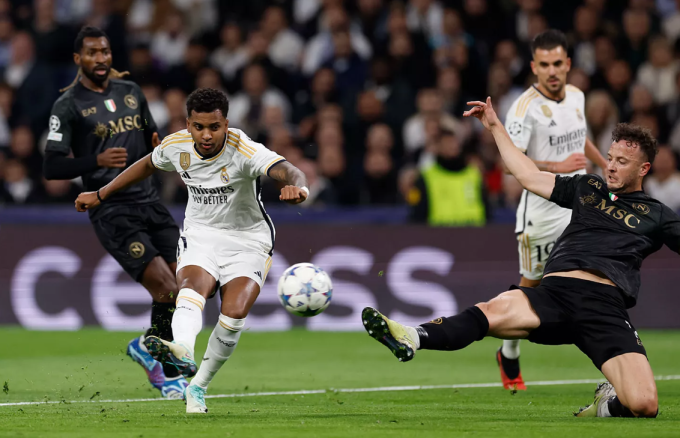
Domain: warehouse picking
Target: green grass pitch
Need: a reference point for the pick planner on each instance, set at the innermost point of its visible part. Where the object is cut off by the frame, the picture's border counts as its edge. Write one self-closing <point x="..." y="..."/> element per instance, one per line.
<point x="90" y="365"/>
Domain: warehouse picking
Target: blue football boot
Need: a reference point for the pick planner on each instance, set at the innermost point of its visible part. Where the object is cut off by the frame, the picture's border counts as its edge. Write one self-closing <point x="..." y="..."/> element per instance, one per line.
<point x="153" y="368"/>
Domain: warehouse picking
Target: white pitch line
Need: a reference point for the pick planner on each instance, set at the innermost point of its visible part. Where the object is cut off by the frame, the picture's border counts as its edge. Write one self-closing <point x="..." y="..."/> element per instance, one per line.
<point x="323" y="391"/>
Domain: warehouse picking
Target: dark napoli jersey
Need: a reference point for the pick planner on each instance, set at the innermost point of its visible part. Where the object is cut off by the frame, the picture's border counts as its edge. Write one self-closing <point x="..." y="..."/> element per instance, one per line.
<point x="609" y="233"/>
<point x="87" y="123"/>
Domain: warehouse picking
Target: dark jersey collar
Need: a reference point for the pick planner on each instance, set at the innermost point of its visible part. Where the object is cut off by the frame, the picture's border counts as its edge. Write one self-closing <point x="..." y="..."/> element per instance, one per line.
<point x="219" y="151"/>
<point x="550" y="98"/>
<point x="106" y="91"/>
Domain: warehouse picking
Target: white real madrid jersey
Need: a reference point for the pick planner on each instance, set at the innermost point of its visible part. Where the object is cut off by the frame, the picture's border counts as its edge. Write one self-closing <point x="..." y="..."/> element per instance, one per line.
<point x="224" y="190"/>
<point x="546" y="130"/>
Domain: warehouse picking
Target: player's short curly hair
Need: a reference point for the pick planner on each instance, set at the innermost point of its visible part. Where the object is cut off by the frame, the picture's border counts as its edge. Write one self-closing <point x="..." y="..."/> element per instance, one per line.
<point x="207" y="100"/>
<point x="637" y="135"/>
<point x="87" y="32"/>
<point x="548" y="40"/>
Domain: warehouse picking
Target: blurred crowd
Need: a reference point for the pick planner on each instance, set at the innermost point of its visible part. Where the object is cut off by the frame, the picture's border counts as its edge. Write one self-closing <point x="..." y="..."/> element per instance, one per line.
<point x="356" y="93"/>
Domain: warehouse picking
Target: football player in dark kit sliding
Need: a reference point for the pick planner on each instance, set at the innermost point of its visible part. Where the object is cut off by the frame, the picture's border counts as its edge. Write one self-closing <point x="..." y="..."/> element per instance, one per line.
<point x="592" y="275"/>
<point x="105" y="123"/>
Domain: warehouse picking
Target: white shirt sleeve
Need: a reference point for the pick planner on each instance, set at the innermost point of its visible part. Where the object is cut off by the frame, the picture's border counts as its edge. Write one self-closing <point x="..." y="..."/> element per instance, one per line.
<point x="519" y="123"/>
<point x="259" y="158"/>
<point x="160" y="158"/>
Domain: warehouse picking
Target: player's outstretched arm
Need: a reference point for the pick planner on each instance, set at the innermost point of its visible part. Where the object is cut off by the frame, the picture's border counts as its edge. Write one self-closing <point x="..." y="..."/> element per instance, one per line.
<point x="295" y="190"/>
<point x="521" y="166"/>
<point x="139" y="171"/>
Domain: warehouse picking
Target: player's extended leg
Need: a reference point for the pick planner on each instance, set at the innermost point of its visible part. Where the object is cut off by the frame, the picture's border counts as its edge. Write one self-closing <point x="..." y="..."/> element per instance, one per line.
<point x="507" y="357"/>
<point x="508" y="316"/>
<point x="195" y="284"/>
<point x="630" y="392"/>
<point x="238" y="296"/>
<point x="159" y="279"/>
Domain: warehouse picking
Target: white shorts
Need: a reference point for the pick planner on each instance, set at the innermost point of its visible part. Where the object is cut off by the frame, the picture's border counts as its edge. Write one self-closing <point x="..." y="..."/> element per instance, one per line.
<point x="534" y="246"/>
<point x="223" y="255"/>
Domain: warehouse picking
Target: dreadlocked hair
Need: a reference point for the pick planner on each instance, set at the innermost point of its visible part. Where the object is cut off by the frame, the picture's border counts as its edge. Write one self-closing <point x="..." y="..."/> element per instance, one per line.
<point x="113" y="73"/>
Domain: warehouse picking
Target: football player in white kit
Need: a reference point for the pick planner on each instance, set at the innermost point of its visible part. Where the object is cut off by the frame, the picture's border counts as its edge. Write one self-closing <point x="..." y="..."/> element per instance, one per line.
<point x="548" y="123"/>
<point x="228" y="238"/>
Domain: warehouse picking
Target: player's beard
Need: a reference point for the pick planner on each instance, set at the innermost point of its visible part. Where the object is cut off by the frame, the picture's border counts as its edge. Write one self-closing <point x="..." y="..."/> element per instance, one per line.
<point x="624" y="185"/>
<point x="555" y="88"/>
<point x="96" y="79"/>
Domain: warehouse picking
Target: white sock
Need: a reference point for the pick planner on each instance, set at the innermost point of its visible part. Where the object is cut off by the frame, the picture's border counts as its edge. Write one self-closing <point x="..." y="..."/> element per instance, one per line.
<point x="413" y="333"/>
<point x="221" y="345"/>
<point x="603" y="407"/>
<point x="187" y="320"/>
<point x="510" y="348"/>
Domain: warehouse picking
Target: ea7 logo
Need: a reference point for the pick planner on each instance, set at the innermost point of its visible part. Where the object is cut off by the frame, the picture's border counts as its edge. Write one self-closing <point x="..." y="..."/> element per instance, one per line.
<point x="89" y="111"/>
<point x="596" y="183"/>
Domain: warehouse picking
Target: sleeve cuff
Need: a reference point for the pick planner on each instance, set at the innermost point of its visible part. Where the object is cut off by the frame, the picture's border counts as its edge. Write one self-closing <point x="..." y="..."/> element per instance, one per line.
<point x="154" y="164"/>
<point x="272" y="164"/>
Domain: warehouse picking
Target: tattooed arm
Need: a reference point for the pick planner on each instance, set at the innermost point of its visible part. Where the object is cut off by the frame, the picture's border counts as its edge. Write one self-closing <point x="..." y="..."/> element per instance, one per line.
<point x="295" y="190"/>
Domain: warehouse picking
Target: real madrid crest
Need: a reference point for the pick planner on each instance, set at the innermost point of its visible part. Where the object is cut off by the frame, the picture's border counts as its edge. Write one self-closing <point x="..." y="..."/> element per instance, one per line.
<point x="131" y="101"/>
<point x="578" y="114"/>
<point x="224" y="176"/>
<point x="546" y="111"/>
<point x="185" y="160"/>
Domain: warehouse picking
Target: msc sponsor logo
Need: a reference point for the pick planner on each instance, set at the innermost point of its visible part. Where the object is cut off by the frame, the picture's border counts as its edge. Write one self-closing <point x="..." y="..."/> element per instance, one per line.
<point x="124" y="124"/>
<point x="629" y="219"/>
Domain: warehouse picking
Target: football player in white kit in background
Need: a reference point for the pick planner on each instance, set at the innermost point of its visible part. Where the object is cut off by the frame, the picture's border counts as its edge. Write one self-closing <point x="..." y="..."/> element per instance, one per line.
<point x="228" y="238"/>
<point x="548" y="123"/>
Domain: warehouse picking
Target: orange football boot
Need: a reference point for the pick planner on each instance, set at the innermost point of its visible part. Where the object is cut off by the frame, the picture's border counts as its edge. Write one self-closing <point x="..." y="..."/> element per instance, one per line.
<point x="516" y="384"/>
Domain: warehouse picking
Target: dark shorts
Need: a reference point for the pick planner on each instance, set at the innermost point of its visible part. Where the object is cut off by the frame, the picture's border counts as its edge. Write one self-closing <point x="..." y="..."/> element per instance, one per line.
<point x="135" y="235"/>
<point x="590" y="315"/>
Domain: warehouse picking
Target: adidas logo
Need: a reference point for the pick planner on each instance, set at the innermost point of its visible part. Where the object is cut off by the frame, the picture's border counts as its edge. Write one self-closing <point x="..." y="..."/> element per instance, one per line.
<point x="185" y="175"/>
<point x="552" y="123"/>
<point x="227" y="343"/>
<point x="259" y="274"/>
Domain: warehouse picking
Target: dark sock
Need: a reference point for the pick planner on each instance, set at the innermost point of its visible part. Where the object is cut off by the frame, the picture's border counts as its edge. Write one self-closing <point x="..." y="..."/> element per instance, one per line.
<point x="510" y="366"/>
<point x="616" y="409"/>
<point x="454" y="332"/>
<point x="161" y="326"/>
<point x="161" y="320"/>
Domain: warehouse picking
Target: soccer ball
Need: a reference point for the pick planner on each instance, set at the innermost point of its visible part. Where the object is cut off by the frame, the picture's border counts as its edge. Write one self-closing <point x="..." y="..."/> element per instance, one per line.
<point x="305" y="290"/>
